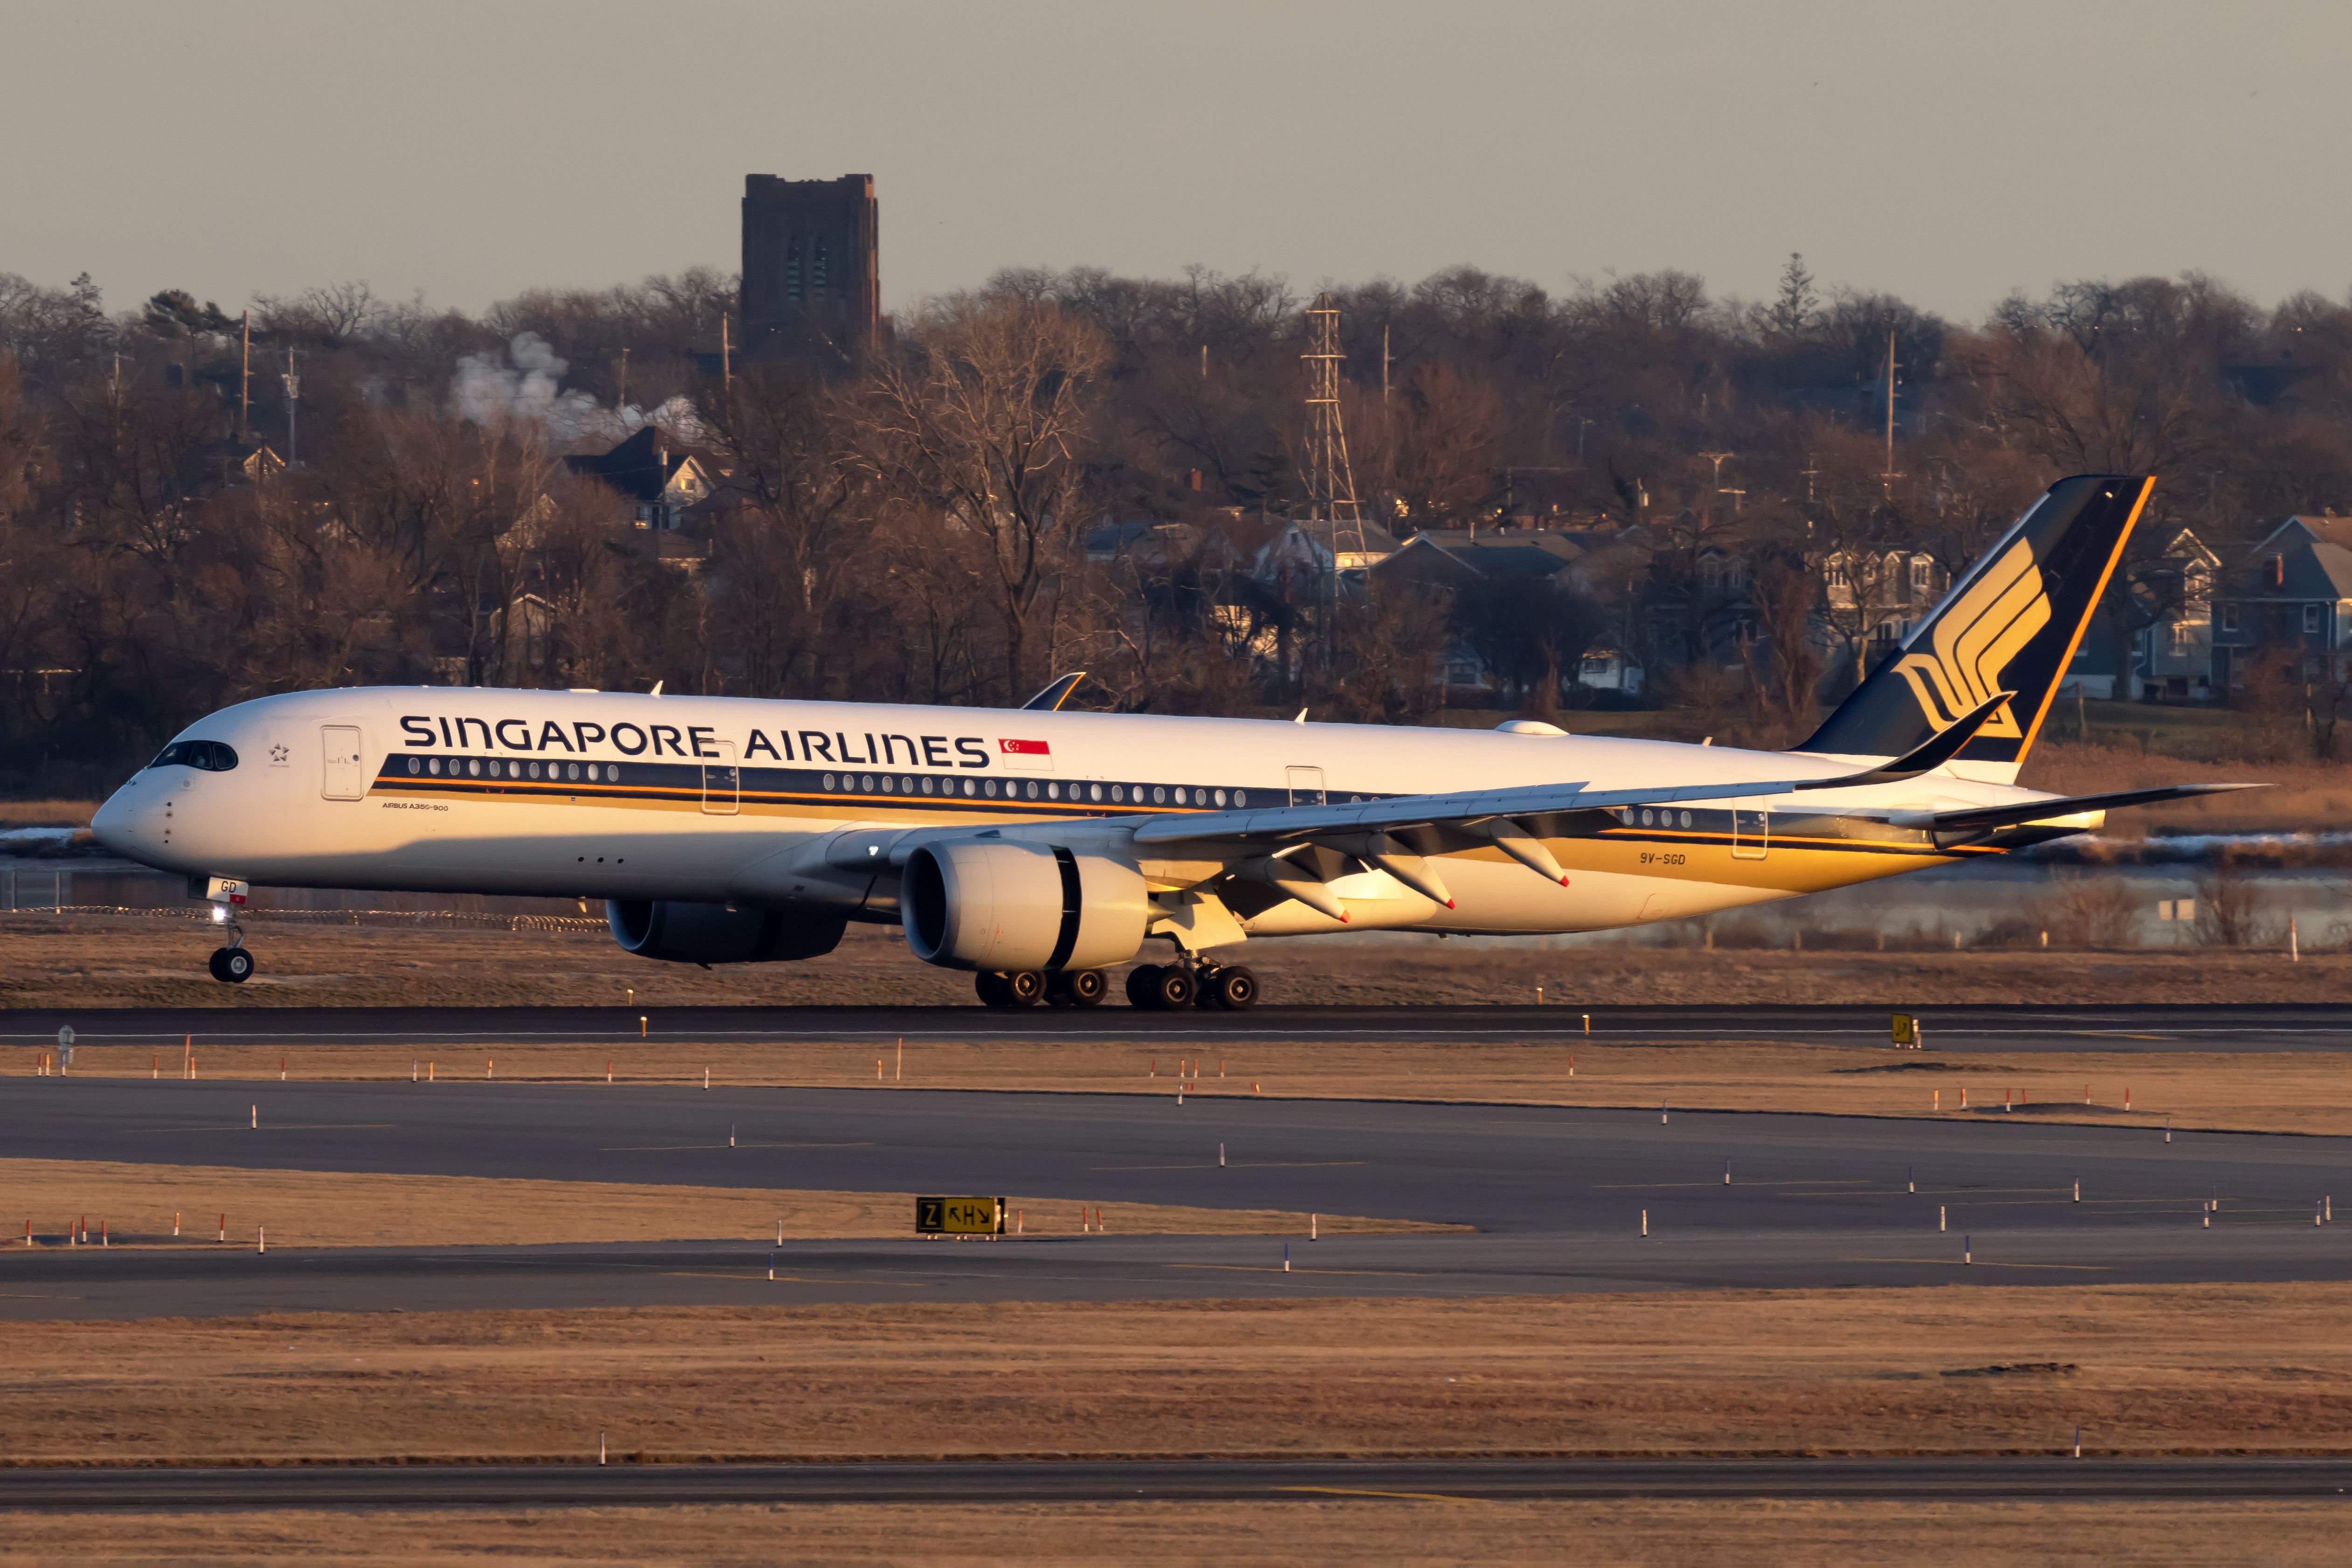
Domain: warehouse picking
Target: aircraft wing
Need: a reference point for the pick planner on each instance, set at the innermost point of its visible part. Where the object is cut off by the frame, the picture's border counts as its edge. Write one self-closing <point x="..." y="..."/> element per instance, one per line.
<point x="1473" y="809"/>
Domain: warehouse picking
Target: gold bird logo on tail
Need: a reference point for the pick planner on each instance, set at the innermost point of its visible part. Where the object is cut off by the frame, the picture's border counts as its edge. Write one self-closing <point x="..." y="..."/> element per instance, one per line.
<point x="1972" y="642"/>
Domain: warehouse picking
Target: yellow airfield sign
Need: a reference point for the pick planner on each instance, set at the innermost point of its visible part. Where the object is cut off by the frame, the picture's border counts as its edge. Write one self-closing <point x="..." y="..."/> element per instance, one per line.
<point x="959" y="1217"/>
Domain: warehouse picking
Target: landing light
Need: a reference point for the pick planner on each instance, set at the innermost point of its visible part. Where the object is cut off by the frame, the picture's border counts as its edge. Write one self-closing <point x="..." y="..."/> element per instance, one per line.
<point x="220" y="914"/>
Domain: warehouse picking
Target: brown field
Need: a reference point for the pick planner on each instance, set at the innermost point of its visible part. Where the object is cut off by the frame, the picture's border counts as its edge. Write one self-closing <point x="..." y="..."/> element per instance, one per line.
<point x="1252" y="1535"/>
<point x="2282" y="1092"/>
<point x="1945" y="1370"/>
<point x="138" y="1204"/>
<point x="95" y="961"/>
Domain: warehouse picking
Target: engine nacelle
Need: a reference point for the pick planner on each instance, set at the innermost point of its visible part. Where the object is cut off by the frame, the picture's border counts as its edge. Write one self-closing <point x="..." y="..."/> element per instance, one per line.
<point x="1009" y="905"/>
<point x="713" y="933"/>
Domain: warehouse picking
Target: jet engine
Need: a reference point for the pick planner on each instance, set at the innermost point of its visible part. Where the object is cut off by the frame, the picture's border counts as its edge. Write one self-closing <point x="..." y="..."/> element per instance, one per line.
<point x="713" y="933"/>
<point x="1010" y="906"/>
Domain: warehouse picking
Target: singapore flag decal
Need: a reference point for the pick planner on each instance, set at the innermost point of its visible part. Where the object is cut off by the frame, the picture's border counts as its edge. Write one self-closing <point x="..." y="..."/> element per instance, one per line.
<point x="1026" y="756"/>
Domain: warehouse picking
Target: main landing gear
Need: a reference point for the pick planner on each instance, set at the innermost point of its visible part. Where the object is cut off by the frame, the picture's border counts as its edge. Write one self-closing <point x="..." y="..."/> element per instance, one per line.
<point x="1027" y="987"/>
<point x="1165" y="987"/>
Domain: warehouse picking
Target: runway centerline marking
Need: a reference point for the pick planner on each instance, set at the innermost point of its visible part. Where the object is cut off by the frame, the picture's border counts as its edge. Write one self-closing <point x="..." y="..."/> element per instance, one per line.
<point x="1948" y="1263"/>
<point x="1368" y="1491"/>
<point x="690" y="1148"/>
<point x="279" y="1127"/>
<point x="1237" y="1165"/>
<point x="1328" y="1273"/>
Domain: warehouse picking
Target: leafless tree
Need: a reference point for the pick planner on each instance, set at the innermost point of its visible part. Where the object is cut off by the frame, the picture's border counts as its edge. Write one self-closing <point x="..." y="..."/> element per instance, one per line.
<point x="984" y="420"/>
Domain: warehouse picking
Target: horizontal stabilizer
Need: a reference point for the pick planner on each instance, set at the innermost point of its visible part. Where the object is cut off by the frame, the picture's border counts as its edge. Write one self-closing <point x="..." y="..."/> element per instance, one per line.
<point x="1977" y="819"/>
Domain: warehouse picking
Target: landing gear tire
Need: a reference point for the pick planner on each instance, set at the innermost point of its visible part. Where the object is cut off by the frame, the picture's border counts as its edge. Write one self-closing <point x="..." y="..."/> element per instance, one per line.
<point x="1231" y="987"/>
<point x="1169" y="989"/>
<point x="1139" y="982"/>
<point x="1077" y="988"/>
<point x="990" y="988"/>
<point x="232" y="965"/>
<point x="1024" y="988"/>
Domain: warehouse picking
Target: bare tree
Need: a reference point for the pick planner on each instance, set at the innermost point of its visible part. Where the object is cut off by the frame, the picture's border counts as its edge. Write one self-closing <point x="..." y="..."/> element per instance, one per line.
<point x="983" y="420"/>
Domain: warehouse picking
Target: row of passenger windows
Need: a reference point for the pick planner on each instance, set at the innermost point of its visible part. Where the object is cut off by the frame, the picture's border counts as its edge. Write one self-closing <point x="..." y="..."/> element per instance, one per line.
<point x="1034" y="789"/>
<point x="1663" y="818"/>
<point x="509" y="768"/>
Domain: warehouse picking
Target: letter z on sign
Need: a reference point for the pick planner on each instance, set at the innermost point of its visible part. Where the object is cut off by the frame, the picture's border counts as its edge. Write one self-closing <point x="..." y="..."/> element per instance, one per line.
<point x="1025" y="756"/>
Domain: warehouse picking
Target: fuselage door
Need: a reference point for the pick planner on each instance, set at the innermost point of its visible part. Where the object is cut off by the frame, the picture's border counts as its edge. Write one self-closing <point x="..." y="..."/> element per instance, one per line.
<point x="339" y="746"/>
<point x="1751" y="834"/>
<point x="1306" y="786"/>
<point x="722" y="782"/>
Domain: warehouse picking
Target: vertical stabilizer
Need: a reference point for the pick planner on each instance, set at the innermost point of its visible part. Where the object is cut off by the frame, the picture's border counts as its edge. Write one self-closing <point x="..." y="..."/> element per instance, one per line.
<point x="2010" y="624"/>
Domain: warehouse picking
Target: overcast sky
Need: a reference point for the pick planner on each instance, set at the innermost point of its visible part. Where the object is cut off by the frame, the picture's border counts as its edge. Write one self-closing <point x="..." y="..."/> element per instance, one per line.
<point x="1949" y="154"/>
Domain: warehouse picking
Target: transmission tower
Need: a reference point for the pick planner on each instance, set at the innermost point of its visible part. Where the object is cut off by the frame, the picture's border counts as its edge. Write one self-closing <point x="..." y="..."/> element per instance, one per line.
<point x="1330" y="486"/>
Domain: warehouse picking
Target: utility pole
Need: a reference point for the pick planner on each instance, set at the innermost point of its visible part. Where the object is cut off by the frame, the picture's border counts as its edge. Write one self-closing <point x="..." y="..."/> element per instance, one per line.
<point x="726" y="364"/>
<point x="622" y="400"/>
<point x="1385" y="362"/>
<point x="293" y="401"/>
<point x="244" y="384"/>
<point x="1204" y="362"/>
<point x="1890" y="475"/>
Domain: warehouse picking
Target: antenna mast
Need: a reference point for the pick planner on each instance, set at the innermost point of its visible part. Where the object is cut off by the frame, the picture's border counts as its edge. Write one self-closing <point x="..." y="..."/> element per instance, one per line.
<point x="1331" y="484"/>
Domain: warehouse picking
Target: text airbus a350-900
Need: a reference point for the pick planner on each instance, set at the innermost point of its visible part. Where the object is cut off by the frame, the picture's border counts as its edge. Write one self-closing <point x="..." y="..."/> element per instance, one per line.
<point x="1036" y="847"/>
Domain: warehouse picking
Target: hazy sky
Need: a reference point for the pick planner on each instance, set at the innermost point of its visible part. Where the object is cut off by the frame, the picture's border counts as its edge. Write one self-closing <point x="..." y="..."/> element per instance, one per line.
<point x="1947" y="152"/>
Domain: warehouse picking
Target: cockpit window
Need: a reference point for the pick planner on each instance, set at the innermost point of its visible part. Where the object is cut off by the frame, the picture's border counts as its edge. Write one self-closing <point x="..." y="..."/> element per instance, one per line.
<point x="212" y="756"/>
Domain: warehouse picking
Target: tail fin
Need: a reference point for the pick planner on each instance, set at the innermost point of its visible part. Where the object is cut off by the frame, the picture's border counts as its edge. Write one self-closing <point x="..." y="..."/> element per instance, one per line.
<point x="2010" y="624"/>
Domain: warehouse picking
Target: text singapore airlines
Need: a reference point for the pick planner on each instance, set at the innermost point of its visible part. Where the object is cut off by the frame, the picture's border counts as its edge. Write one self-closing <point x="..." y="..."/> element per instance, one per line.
<point x="1036" y="847"/>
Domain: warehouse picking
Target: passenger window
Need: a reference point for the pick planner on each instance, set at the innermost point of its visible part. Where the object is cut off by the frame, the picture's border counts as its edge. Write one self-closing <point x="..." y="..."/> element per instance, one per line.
<point x="1053" y="792"/>
<point x="1646" y="816"/>
<point x="1115" y="795"/>
<point x="966" y="786"/>
<point x="1687" y="819"/>
<point x="1033" y="789"/>
<point x="1158" y="793"/>
<point x="889" y="784"/>
<point x="1179" y="795"/>
<point x="1220" y="797"/>
<point x="866" y="783"/>
<point x="1241" y="797"/>
<point x="1094" y="791"/>
<point x="415" y="766"/>
<point x="990" y="787"/>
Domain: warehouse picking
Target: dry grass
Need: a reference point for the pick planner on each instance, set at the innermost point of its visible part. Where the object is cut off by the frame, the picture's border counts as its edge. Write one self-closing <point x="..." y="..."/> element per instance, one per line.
<point x="1232" y="1535"/>
<point x="2303" y="795"/>
<point x="2145" y="1369"/>
<point x="2277" y="1091"/>
<point x="123" y="961"/>
<point x="139" y="1203"/>
<point x="45" y="812"/>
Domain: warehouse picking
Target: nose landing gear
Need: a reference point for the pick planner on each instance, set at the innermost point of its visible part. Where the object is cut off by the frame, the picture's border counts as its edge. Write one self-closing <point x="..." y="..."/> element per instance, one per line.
<point x="233" y="964"/>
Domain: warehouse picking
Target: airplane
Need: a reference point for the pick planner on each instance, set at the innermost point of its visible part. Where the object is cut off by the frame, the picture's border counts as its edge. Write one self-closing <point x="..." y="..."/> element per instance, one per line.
<point x="1037" y="849"/>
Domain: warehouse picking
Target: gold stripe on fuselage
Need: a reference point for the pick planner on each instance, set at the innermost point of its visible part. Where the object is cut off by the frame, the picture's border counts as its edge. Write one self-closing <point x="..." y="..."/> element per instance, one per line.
<point x="1790" y="863"/>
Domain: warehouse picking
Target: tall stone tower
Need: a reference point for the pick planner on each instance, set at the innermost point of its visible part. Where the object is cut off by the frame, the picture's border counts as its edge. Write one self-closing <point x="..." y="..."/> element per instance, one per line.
<point x="811" y="269"/>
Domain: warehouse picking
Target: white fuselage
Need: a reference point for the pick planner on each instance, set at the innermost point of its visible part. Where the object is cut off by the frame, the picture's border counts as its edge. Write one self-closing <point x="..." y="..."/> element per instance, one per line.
<point x="723" y="800"/>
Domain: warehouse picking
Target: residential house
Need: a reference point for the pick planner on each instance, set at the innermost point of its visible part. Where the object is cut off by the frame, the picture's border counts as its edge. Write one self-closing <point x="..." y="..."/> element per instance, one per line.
<point x="1871" y="598"/>
<point x="2287" y="606"/>
<point x="2172" y="658"/>
<point x="662" y="484"/>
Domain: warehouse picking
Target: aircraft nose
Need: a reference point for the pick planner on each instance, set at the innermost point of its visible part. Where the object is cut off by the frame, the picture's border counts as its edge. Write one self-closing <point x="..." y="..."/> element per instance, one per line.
<point x="112" y="823"/>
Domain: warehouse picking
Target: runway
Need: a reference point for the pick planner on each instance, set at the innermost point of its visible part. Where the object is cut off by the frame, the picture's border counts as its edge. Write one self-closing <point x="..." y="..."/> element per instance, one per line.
<point x="2038" y="1477"/>
<point x="1557" y="1195"/>
<point x="2228" y="1027"/>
